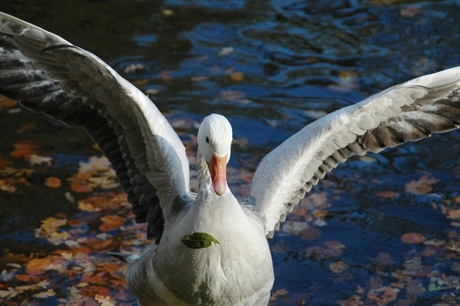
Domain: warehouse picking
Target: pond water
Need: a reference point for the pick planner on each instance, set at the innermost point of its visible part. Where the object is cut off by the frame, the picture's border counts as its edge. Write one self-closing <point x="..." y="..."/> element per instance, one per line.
<point x="271" y="67"/>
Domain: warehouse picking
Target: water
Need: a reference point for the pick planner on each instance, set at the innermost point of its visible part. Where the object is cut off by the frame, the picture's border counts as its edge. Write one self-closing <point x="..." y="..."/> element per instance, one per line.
<point x="271" y="67"/>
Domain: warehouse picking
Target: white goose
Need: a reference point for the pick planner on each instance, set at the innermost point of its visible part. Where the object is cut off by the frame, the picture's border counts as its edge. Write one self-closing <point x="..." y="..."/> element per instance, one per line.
<point x="213" y="250"/>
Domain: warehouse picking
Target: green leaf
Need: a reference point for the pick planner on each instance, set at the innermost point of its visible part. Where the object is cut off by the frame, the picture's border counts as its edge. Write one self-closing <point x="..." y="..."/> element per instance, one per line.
<point x="199" y="240"/>
<point x="434" y="287"/>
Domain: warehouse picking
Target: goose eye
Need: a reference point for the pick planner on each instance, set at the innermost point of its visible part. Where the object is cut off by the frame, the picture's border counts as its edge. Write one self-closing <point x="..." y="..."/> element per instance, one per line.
<point x="207" y="139"/>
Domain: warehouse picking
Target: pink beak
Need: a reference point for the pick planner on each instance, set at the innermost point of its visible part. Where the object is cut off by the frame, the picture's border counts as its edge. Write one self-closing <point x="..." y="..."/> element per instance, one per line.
<point x="218" y="170"/>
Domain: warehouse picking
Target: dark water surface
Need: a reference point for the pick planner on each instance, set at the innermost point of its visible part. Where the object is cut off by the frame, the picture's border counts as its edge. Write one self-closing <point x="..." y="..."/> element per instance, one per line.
<point x="272" y="67"/>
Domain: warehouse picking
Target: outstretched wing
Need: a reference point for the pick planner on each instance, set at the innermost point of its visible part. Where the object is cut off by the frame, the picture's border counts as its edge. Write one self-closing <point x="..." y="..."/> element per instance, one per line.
<point x="47" y="74"/>
<point x="405" y="112"/>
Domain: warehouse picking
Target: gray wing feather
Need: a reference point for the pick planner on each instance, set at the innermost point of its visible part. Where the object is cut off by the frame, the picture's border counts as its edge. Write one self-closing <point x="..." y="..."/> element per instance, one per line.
<point x="47" y="74"/>
<point x="407" y="112"/>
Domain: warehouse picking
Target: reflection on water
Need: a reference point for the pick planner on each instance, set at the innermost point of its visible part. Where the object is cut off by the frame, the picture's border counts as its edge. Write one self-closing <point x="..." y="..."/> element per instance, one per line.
<point x="271" y="67"/>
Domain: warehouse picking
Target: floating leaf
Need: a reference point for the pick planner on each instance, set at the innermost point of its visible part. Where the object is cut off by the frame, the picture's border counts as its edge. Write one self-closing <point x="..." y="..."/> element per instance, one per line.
<point x="141" y="82"/>
<point x="388" y="194"/>
<point x="27" y="127"/>
<point x="199" y="240"/>
<point x="338" y="266"/>
<point x="383" y="296"/>
<point x="133" y="68"/>
<point x="35" y="159"/>
<point x="279" y="292"/>
<point x="410" y="238"/>
<point x="225" y="51"/>
<point x="454" y="214"/>
<point x="45" y="294"/>
<point x="111" y="222"/>
<point x="8" y="293"/>
<point x="37" y="266"/>
<point x="105" y="300"/>
<point x="53" y="182"/>
<point x="410" y="11"/>
<point x="433" y="287"/>
<point x="49" y="225"/>
<point x="231" y="95"/>
<point x="165" y="75"/>
<point x="237" y="77"/>
<point x="25" y="148"/>
<point x="423" y="185"/>
<point x="167" y="12"/>
<point x="4" y="102"/>
<point x="58" y="238"/>
<point x="23" y="277"/>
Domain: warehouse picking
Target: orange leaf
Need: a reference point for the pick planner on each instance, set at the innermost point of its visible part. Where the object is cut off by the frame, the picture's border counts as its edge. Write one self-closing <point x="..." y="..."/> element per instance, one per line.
<point x="5" y="162"/>
<point x="75" y="222"/>
<point x="111" y="222"/>
<point x="113" y="267"/>
<point x="23" y="277"/>
<point x="96" y="244"/>
<point x="53" y="182"/>
<point x="95" y="289"/>
<point x="410" y="238"/>
<point x="96" y="279"/>
<point x="37" y="266"/>
<point x="27" y="127"/>
<point x="4" y="102"/>
<point x="105" y="201"/>
<point x="24" y="148"/>
<point x="81" y="249"/>
<point x="81" y="187"/>
<point x="301" y="211"/>
<point x="141" y="82"/>
<point x="387" y="194"/>
<point x="237" y="76"/>
<point x="320" y="213"/>
<point x="51" y="224"/>
<point x="454" y="214"/>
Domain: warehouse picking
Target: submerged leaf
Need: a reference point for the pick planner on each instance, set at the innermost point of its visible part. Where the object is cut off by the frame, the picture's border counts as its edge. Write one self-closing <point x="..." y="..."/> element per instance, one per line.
<point x="199" y="240"/>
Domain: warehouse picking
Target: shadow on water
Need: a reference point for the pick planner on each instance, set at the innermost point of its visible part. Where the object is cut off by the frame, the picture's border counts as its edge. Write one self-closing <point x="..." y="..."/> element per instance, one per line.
<point x="271" y="67"/>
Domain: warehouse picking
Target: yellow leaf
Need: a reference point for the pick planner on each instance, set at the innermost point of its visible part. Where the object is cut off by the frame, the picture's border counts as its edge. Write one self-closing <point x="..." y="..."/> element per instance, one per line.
<point x="45" y="294"/>
<point x="50" y="225"/>
<point x="167" y="12"/>
<point x="237" y="77"/>
<point x="104" y="300"/>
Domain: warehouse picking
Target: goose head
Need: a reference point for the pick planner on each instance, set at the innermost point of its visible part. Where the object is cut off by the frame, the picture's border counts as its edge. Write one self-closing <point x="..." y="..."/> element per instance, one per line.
<point x="214" y="144"/>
